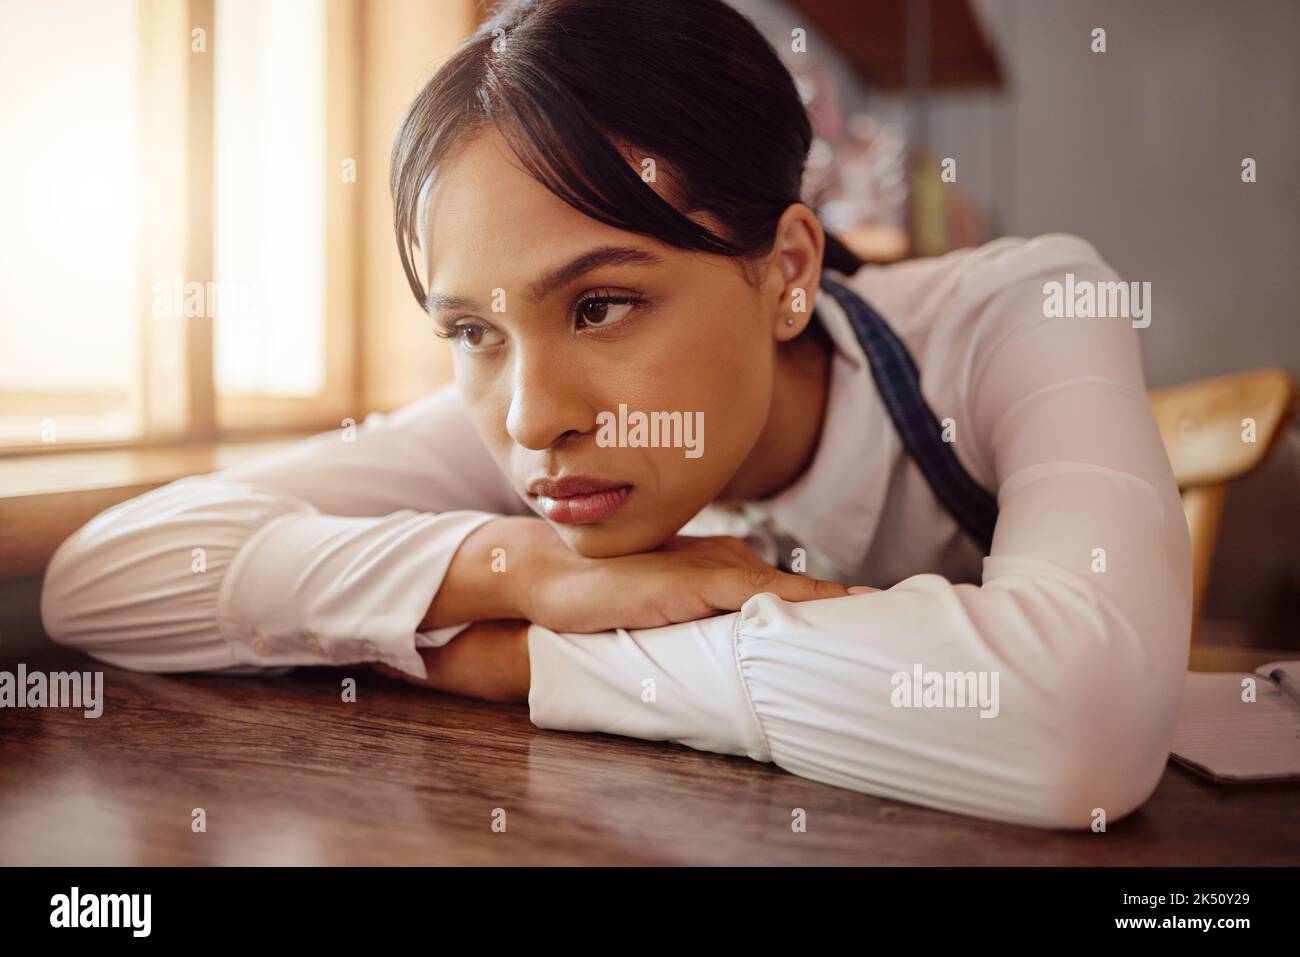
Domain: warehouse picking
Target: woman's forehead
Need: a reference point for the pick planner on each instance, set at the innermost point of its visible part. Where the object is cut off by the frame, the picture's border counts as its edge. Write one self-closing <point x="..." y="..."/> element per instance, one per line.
<point x="482" y="210"/>
<point x="485" y="221"/>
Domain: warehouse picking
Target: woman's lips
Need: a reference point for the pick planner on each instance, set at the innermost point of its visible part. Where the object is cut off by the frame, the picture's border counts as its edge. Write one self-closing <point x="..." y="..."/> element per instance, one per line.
<point x="578" y="501"/>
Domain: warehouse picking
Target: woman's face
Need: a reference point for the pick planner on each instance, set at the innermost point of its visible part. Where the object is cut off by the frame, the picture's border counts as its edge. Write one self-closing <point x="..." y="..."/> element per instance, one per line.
<point x="567" y="333"/>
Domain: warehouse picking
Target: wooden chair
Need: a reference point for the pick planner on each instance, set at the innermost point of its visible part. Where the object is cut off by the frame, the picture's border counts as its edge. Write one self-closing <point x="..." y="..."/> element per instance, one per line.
<point x="1204" y="428"/>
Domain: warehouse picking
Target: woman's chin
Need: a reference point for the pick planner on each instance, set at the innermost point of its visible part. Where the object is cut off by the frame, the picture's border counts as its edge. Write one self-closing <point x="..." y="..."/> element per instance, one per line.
<point x="611" y="539"/>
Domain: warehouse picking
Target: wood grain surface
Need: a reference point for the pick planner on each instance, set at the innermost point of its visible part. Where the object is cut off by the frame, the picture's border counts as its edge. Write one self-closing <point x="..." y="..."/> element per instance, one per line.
<point x="287" y="773"/>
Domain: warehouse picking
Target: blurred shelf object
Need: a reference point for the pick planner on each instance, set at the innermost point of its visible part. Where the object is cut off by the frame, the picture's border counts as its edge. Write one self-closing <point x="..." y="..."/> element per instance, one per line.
<point x="940" y="215"/>
<point x="857" y="180"/>
<point x="878" y="243"/>
<point x="872" y="35"/>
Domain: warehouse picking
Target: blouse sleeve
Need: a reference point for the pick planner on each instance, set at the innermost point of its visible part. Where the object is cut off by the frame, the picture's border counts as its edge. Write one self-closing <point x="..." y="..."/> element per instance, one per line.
<point x="1070" y="654"/>
<point x="327" y="552"/>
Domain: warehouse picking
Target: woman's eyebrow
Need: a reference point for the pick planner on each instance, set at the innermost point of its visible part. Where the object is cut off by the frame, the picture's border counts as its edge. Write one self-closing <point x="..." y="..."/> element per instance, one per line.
<point x="553" y="279"/>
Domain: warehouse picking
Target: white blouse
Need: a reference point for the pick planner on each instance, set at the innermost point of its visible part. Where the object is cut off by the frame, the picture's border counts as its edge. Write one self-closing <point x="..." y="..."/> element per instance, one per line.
<point x="1039" y="687"/>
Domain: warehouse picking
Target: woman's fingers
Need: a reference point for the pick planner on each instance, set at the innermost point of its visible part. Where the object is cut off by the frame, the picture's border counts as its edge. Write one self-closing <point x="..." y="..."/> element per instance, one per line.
<point x="687" y="579"/>
<point x="732" y="587"/>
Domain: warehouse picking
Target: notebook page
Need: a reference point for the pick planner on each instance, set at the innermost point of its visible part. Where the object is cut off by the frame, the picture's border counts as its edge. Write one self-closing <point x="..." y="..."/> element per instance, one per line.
<point x="1230" y="738"/>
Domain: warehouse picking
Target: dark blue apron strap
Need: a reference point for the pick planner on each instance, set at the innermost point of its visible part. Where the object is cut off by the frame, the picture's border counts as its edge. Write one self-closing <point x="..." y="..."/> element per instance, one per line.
<point x="899" y="384"/>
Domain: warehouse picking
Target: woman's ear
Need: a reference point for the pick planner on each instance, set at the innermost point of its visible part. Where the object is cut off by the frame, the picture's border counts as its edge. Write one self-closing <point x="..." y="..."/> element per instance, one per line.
<point x="797" y="258"/>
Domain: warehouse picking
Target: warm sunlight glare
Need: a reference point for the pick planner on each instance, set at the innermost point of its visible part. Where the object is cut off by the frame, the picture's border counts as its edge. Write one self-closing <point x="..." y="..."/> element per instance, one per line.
<point x="269" y="196"/>
<point x="69" y="199"/>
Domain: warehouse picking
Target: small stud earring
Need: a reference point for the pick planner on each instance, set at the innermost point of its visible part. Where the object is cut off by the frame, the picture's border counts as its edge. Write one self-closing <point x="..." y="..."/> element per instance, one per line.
<point x="789" y="320"/>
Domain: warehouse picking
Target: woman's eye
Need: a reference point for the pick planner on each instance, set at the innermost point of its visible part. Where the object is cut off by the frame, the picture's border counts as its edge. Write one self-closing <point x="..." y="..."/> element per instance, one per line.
<point x="601" y="312"/>
<point x="472" y="336"/>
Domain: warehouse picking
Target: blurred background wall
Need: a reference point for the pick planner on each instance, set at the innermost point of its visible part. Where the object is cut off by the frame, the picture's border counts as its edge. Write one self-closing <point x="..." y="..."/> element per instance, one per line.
<point x="1139" y="150"/>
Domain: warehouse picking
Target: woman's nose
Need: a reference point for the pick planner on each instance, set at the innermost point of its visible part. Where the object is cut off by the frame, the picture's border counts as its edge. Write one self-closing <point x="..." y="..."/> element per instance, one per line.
<point x="546" y="403"/>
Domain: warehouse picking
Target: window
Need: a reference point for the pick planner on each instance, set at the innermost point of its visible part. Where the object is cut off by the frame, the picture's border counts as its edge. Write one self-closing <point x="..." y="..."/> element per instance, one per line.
<point x="269" y="164"/>
<point x="178" y="245"/>
<point x="69" y="251"/>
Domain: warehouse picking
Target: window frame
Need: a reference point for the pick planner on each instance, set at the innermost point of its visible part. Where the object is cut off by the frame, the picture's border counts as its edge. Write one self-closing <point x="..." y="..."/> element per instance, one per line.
<point x="176" y="400"/>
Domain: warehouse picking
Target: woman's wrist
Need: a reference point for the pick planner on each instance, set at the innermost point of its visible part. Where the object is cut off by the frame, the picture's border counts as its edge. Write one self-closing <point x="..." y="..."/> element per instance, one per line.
<point x="489" y="660"/>
<point x="488" y="577"/>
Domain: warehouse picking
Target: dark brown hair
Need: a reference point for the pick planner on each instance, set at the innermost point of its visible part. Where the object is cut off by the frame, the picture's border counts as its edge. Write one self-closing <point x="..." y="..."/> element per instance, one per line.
<point x="583" y="90"/>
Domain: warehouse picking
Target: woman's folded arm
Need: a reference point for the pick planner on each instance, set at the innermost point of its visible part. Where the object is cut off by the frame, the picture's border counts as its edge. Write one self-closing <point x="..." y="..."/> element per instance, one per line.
<point x="329" y="552"/>
<point x="1068" y="658"/>
<point x="1050" y="701"/>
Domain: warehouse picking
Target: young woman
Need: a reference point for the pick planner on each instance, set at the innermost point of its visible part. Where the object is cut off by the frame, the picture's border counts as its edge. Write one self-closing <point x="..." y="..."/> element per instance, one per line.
<point x="599" y="204"/>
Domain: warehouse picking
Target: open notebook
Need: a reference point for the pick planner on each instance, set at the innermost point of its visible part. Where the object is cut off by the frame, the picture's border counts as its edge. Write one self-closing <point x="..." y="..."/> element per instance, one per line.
<point x="1231" y="740"/>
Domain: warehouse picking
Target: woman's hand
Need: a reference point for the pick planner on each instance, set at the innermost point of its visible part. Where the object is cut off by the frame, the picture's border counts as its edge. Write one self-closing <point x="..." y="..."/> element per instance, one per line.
<point x="686" y="579"/>
<point x="548" y="583"/>
<point x="488" y="660"/>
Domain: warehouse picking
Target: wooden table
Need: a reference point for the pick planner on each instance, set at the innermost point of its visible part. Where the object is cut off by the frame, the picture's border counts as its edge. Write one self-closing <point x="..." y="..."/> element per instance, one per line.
<point x="287" y="773"/>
